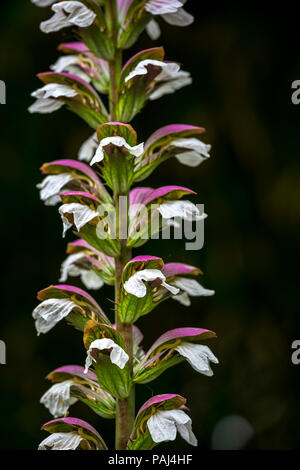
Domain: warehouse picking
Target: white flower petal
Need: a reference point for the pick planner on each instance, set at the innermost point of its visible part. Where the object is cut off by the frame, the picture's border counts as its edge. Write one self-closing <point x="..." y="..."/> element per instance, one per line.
<point x="81" y="215"/>
<point x="63" y="62"/>
<point x="136" y="150"/>
<point x="52" y="184"/>
<point x="160" y="7"/>
<point x="117" y="355"/>
<point x="168" y="69"/>
<point x="58" y="398"/>
<point x="180" y="18"/>
<point x="177" y="81"/>
<point x="43" y="3"/>
<point x="70" y="64"/>
<point x="183" y="299"/>
<point x="51" y="311"/>
<point x="163" y="426"/>
<point x="192" y="287"/>
<point x="195" y="151"/>
<point x="54" y="90"/>
<point x="185" y="210"/>
<point x="45" y="106"/>
<point x="68" y="13"/>
<point x="61" y="441"/>
<point x="198" y="357"/>
<point x="68" y="267"/>
<point x="88" y="148"/>
<point x="91" y="280"/>
<point x="88" y="277"/>
<point x="135" y="284"/>
<point x="153" y="30"/>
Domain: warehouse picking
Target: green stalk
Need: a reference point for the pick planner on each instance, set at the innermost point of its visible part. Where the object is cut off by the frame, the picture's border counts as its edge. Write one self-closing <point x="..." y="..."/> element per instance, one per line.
<point x="125" y="409"/>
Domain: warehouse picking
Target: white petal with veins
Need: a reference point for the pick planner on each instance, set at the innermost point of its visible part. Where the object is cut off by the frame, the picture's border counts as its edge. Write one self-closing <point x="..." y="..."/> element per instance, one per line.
<point x="117" y="355"/>
<point x="194" y="153"/>
<point x="45" y="106"/>
<point x="51" y="311"/>
<point x="135" y="285"/>
<point x="164" y="425"/>
<point x="88" y="148"/>
<point x="61" y="441"/>
<point x="54" y="90"/>
<point x="68" y="13"/>
<point x="136" y="150"/>
<point x="58" y="398"/>
<point x="51" y="186"/>
<point x="160" y="7"/>
<point x="177" y="81"/>
<point x="81" y="215"/>
<point x="198" y="356"/>
<point x="191" y="287"/>
<point x="183" y="209"/>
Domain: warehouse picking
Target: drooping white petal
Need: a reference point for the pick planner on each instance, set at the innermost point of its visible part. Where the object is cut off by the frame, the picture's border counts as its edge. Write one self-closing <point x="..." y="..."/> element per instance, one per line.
<point x="177" y="81"/>
<point x="160" y="7"/>
<point x="51" y="186"/>
<point x="61" y="441"/>
<point x="191" y="287"/>
<point x="70" y="64"/>
<point x="45" y="106"/>
<point x="164" y="425"/>
<point x="198" y="357"/>
<point x="91" y="280"/>
<point x="69" y="268"/>
<point x="195" y="151"/>
<point x="135" y="284"/>
<point x="88" y="148"/>
<point x="81" y="215"/>
<point x="68" y="13"/>
<point x="88" y="277"/>
<point x="180" y="18"/>
<point x="153" y="30"/>
<point x="183" y="299"/>
<point x="58" y="398"/>
<point x="51" y="311"/>
<point x="185" y="210"/>
<point x="63" y="62"/>
<point x="168" y="69"/>
<point x="54" y="90"/>
<point x="117" y="355"/>
<point x="136" y="150"/>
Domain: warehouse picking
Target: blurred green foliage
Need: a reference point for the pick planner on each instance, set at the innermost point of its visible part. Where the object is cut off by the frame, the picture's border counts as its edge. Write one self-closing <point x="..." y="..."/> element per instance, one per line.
<point x="243" y="61"/>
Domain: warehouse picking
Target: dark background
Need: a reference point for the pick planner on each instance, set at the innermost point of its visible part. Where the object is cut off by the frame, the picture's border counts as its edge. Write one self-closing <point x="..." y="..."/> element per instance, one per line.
<point x="243" y="61"/>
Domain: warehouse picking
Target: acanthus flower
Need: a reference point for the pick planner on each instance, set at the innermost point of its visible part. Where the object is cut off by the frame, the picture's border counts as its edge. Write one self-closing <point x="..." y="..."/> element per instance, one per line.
<point x="64" y="301"/>
<point x="162" y="77"/>
<point x="171" y="11"/>
<point x="109" y="218"/>
<point x="66" y="14"/>
<point x="71" y="434"/>
<point x="72" y="384"/>
<point x="172" y="348"/>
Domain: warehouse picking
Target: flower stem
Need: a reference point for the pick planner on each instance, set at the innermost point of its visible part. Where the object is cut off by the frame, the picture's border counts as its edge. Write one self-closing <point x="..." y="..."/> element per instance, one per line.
<point x="125" y="408"/>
